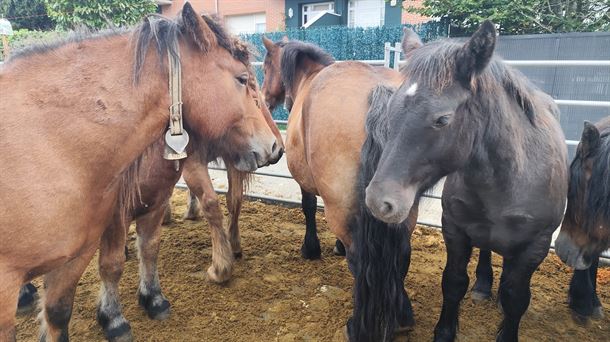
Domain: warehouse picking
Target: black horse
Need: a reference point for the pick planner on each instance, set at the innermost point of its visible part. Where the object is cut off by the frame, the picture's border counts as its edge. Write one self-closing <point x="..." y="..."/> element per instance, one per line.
<point x="464" y="114"/>
<point x="585" y="231"/>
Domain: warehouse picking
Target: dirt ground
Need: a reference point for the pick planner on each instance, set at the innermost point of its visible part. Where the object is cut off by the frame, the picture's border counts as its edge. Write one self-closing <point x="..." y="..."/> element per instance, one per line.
<point x="277" y="296"/>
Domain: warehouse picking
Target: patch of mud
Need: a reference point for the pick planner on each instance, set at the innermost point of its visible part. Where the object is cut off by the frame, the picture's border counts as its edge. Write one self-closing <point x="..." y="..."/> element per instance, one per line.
<point x="277" y="296"/>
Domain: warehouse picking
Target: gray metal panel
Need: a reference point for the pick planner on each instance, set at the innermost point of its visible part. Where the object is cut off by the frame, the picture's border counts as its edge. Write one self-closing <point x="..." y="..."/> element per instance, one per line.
<point x="566" y="82"/>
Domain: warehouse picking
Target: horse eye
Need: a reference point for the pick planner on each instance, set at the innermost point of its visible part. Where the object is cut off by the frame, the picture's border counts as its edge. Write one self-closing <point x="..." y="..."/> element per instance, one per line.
<point x="442" y="121"/>
<point x="242" y="79"/>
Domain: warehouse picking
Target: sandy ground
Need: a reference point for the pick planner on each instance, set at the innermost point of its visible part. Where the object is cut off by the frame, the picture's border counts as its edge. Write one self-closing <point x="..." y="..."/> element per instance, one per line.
<point x="277" y="296"/>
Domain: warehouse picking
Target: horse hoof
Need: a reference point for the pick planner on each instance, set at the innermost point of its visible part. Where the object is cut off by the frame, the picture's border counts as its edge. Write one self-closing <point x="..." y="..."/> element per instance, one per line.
<point x="579" y="319"/>
<point x="156" y="306"/>
<point x="121" y="333"/>
<point x="598" y="313"/>
<point x="115" y="329"/>
<point x="311" y="253"/>
<point x="479" y="297"/>
<point x="28" y="297"/>
<point x="238" y="255"/>
<point x="217" y="276"/>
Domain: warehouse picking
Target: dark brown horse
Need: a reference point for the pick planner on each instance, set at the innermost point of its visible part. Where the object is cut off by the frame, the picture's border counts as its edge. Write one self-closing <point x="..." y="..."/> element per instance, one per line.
<point x="325" y="128"/>
<point x="464" y="114"/>
<point x="74" y="136"/>
<point x="585" y="231"/>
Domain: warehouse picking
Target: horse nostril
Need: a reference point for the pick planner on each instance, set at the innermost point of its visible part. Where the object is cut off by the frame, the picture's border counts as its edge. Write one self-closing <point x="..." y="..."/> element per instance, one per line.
<point x="274" y="146"/>
<point x="386" y="208"/>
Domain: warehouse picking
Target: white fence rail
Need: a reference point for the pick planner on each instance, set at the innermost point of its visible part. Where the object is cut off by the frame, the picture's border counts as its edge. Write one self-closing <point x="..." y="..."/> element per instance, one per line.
<point x="430" y="194"/>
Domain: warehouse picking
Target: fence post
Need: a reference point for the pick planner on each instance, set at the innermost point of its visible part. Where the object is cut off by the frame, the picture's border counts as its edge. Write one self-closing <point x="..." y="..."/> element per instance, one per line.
<point x="386" y="54"/>
<point x="397" y="51"/>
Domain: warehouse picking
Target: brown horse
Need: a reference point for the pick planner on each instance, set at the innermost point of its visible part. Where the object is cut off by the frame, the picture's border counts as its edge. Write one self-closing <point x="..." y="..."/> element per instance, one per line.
<point x="328" y="104"/>
<point x="585" y="231"/>
<point x="75" y="137"/>
<point x="157" y="180"/>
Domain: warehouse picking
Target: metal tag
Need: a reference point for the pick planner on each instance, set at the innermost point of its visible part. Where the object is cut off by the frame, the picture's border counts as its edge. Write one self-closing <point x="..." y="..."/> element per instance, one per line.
<point x="177" y="142"/>
<point x="169" y="154"/>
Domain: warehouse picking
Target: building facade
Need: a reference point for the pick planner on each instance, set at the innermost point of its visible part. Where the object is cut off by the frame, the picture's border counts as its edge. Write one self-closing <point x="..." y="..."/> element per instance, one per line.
<point x="240" y="16"/>
<point x="257" y="16"/>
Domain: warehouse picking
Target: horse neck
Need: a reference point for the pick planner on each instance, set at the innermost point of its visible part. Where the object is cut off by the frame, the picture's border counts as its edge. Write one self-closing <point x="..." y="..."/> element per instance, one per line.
<point x="86" y="102"/>
<point x="303" y="78"/>
<point x="500" y="134"/>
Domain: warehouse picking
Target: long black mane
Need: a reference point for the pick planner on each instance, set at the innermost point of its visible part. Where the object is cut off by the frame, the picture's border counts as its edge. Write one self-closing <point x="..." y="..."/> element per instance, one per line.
<point x="380" y="252"/>
<point x="293" y="55"/>
<point x="434" y="65"/>
<point x="595" y="204"/>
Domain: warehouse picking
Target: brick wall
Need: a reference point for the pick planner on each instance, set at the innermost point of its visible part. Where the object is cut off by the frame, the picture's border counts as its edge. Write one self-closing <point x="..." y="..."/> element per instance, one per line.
<point x="273" y="9"/>
<point x="412" y="18"/>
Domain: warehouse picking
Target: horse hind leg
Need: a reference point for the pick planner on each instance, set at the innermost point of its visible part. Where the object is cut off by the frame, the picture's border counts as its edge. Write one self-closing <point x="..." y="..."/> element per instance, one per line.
<point x="234" y="200"/>
<point x="598" y="309"/>
<point x="60" y="287"/>
<point x="111" y="265"/>
<point x="481" y="290"/>
<point x="193" y="209"/>
<point x="310" y="249"/>
<point x="150" y="297"/>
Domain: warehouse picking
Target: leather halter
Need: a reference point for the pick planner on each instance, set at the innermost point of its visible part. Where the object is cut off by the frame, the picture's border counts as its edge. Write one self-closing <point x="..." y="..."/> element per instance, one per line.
<point x="176" y="137"/>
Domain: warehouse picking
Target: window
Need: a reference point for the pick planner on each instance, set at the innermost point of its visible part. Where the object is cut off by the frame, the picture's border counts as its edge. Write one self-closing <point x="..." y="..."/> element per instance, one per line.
<point x="310" y="11"/>
<point x="248" y="23"/>
<point x="365" y="13"/>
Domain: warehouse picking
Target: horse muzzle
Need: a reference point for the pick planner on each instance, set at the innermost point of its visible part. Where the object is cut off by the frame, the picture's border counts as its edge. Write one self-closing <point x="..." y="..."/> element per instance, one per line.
<point x="389" y="201"/>
<point x="571" y="254"/>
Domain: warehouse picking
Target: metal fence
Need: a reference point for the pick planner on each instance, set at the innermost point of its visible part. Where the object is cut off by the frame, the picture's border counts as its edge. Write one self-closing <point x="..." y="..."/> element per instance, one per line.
<point x="435" y="193"/>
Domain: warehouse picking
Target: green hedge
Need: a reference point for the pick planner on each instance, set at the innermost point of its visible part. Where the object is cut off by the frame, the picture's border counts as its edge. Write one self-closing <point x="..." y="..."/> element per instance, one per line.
<point x="346" y="43"/>
<point x="23" y="37"/>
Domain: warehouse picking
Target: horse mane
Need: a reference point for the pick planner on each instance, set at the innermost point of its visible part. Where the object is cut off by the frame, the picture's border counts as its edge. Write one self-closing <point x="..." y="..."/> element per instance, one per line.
<point x="377" y="257"/>
<point x="165" y="33"/>
<point x="293" y="55"/>
<point x="594" y="205"/>
<point x="434" y="65"/>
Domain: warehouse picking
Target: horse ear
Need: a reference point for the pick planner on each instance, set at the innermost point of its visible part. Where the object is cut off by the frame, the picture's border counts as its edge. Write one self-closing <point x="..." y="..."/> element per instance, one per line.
<point x="410" y="40"/>
<point x="590" y="138"/>
<point x="268" y="43"/>
<point x="475" y="55"/>
<point x="197" y="29"/>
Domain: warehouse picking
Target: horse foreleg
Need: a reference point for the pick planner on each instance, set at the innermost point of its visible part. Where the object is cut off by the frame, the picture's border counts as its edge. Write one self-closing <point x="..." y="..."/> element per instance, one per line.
<point x="582" y="296"/>
<point x="454" y="283"/>
<point x="60" y="286"/>
<point x="311" y="244"/>
<point x="514" y="289"/>
<point x="198" y="180"/>
<point x="9" y="288"/>
<point x="150" y="297"/>
<point x="482" y="287"/>
<point x="235" y="197"/>
<point x="193" y="209"/>
<point x="111" y="264"/>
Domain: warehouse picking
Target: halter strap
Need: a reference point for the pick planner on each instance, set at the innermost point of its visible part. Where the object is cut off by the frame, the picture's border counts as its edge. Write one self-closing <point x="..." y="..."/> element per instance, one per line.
<point x="176" y="138"/>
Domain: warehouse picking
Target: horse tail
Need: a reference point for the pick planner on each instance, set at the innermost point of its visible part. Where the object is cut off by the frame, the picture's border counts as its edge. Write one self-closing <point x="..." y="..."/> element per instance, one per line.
<point x="377" y="255"/>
